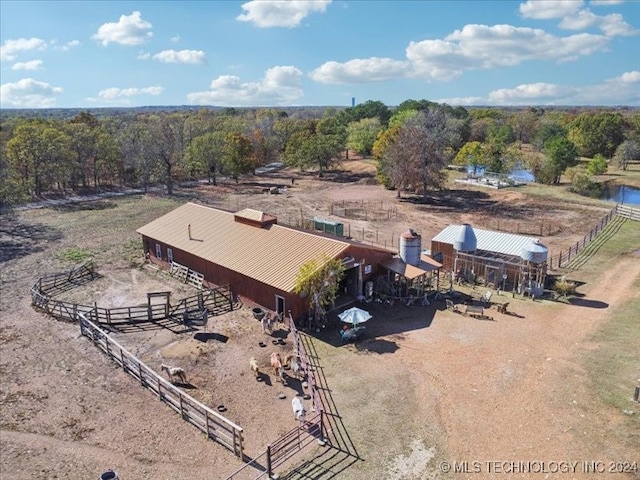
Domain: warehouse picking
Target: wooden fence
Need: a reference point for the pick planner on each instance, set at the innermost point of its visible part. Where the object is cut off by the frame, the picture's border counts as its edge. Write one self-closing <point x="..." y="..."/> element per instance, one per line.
<point x="212" y="424"/>
<point x="564" y="257"/>
<point x="295" y="440"/>
<point x="215" y="301"/>
<point x="628" y="212"/>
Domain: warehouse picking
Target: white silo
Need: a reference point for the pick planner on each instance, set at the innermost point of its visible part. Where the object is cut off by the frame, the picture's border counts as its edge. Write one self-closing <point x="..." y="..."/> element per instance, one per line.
<point x="410" y="247"/>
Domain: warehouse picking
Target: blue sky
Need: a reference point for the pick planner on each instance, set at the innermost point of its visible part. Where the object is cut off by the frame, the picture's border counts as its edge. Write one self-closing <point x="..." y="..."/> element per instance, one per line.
<point x="85" y="54"/>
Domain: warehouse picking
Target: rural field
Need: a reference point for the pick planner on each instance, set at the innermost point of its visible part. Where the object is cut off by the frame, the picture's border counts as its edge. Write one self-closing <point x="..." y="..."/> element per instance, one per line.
<point x="543" y="392"/>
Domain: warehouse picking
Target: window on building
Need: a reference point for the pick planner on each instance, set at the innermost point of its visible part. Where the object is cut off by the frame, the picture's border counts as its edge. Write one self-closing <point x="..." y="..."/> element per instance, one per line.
<point x="158" y="251"/>
<point x="169" y="255"/>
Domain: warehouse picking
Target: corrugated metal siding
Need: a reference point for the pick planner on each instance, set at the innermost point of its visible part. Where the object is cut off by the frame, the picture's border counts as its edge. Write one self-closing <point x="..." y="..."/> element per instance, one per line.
<point x="271" y="255"/>
<point x="489" y="241"/>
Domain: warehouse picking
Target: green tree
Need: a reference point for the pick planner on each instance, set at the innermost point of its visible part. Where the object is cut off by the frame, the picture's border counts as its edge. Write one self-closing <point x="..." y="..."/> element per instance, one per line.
<point x="472" y="154"/>
<point x="318" y="281"/>
<point x="561" y="154"/>
<point x="237" y="155"/>
<point x="362" y="134"/>
<point x="204" y="155"/>
<point x="594" y="133"/>
<point x="597" y="165"/>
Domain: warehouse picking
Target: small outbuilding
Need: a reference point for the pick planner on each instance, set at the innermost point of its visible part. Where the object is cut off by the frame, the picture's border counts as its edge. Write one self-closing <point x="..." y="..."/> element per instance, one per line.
<point x="413" y="273"/>
<point x="255" y="256"/>
<point x="500" y="260"/>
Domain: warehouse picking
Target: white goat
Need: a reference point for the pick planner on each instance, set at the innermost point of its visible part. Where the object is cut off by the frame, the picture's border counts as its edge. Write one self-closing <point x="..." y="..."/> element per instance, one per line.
<point x="253" y="363"/>
<point x="175" y="372"/>
<point x="298" y="410"/>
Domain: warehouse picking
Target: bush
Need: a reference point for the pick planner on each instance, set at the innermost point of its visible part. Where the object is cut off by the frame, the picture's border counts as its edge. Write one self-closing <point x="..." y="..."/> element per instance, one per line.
<point x="565" y="288"/>
<point x="597" y="165"/>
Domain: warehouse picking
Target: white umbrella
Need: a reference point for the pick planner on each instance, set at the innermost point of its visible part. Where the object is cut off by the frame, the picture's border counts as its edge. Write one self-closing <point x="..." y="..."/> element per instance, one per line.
<point x="355" y="316"/>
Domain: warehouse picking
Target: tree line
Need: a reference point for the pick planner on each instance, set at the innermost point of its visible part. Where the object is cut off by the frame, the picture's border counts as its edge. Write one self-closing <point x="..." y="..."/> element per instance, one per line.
<point x="412" y="144"/>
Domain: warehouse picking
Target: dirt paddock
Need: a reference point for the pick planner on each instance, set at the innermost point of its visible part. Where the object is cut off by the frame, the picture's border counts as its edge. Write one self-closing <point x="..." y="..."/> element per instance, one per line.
<point x="425" y="385"/>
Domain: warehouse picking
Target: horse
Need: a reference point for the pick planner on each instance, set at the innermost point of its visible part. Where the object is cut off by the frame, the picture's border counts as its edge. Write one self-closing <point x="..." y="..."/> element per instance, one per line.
<point x="253" y="364"/>
<point x="176" y="372"/>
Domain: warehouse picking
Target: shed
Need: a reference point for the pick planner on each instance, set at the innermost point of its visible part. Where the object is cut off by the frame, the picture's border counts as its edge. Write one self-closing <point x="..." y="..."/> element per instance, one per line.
<point x="499" y="259"/>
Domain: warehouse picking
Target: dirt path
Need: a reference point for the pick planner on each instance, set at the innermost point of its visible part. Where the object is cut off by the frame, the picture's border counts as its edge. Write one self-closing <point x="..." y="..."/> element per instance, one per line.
<point x="519" y="386"/>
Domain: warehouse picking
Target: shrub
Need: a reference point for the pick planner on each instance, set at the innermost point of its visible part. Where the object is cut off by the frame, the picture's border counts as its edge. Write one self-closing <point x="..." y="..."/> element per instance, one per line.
<point x="564" y="287"/>
<point x="597" y="165"/>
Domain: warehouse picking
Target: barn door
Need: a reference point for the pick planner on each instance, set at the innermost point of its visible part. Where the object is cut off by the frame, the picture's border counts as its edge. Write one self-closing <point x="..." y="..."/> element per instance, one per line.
<point x="280" y="305"/>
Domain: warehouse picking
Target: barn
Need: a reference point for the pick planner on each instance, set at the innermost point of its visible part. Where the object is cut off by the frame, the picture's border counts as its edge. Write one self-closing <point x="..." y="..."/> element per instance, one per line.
<point x="255" y="256"/>
<point x="500" y="260"/>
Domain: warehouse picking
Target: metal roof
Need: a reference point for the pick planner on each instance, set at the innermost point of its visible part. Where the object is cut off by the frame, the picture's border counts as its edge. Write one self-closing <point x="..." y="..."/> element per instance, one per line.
<point x="272" y="255"/>
<point x="397" y="265"/>
<point x="487" y="240"/>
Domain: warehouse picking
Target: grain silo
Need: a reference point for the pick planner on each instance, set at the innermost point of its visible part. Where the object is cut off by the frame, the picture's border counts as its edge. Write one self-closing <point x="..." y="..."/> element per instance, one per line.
<point x="410" y="247"/>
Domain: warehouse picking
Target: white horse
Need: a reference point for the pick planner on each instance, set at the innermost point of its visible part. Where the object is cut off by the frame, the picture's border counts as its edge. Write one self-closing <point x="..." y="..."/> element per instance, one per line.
<point x="175" y="372"/>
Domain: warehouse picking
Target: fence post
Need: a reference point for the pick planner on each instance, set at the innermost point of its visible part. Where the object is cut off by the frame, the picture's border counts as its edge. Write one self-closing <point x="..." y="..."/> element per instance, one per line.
<point x="269" y="472"/>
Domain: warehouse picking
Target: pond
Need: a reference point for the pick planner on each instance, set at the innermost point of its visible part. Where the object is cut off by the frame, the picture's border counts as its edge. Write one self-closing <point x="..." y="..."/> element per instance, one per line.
<point x="622" y="194"/>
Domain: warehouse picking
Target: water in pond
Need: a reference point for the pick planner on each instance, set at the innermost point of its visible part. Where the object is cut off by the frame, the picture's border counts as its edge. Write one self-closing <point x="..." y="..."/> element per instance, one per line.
<point x="622" y="194"/>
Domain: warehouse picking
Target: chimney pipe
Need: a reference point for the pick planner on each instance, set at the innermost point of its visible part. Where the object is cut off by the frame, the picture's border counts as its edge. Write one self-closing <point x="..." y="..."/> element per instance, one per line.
<point x="189" y="231"/>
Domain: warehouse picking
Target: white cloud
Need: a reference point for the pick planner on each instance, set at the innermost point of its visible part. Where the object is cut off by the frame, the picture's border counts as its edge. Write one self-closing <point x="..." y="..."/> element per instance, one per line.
<point x="613" y="25"/>
<point x="114" y="93"/>
<point x="129" y="30"/>
<point x="548" y="9"/>
<point x="31" y="65"/>
<point x="483" y="47"/>
<point x="622" y="90"/>
<point x="580" y="21"/>
<point x="69" y="45"/>
<point x="142" y="55"/>
<point x="10" y="48"/>
<point x="192" y="57"/>
<point x="280" y="86"/>
<point x="360" y="71"/>
<point x="463" y="101"/>
<point x="175" y="39"/>
<point x="573" y="17"/>
<point x="606" y="3"/>
<point x="28" y="93"/>
<point x="280" y="13"/>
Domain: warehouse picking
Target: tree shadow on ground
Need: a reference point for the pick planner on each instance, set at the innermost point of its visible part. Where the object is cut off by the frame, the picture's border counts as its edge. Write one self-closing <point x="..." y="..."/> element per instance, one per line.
<point x="85" y="205"/>
<point x="19" y="239"/>
<point x="584" y="302"/>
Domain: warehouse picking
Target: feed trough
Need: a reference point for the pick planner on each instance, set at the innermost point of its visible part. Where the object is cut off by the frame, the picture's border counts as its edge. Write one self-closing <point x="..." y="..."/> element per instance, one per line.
<point x="258" y="313"/>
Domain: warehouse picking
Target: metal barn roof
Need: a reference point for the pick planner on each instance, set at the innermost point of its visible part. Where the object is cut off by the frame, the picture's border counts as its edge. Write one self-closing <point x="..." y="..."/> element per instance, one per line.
<point x="487" y="240"/>
<point x="272" y="255"/>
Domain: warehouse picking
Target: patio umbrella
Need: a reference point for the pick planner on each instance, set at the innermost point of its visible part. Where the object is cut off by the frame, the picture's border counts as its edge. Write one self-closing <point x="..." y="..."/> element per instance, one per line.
<point x="354" y="316"/>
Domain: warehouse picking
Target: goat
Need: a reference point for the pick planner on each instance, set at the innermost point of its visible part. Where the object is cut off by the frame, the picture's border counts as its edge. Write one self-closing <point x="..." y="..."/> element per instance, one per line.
<point x="253" y="363"/>
<point x="294" y="364"/>
<point x="299" y="411"/>
<point x="276" y="363"/>
<point x="176" y="372"/>
<point x="267" y="323"/>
